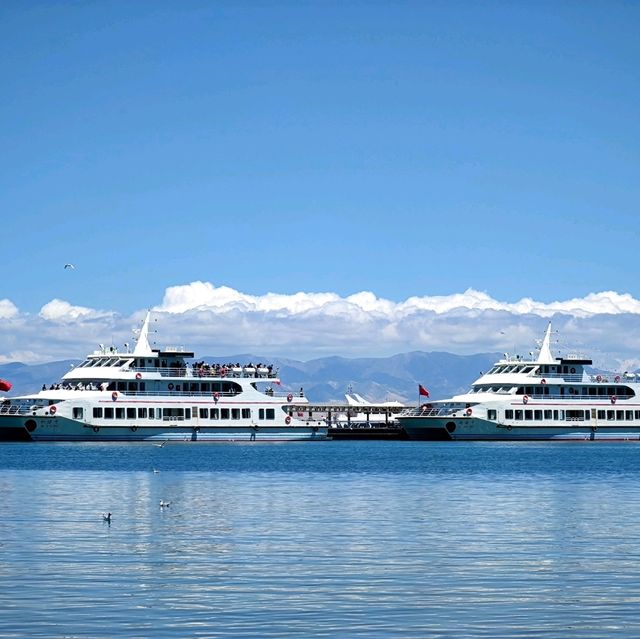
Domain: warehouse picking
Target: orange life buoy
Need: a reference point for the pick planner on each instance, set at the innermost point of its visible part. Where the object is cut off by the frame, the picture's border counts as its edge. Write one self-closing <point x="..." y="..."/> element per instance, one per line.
<point x="287" y="420"/>
<point x="525" y="399"/>
<point x="617" y="379"/>
<point x="289" y="397"/>
<point x="468" y="412"/>
<point x="170" y="386"/>
<point x="53" y="410"/>
<point x="138" y="375"/>
<point x="114" y="395"/>
<point x="614" y="399"/>
<point x="216" y="396"/>
<point x="543" y="381"/>
<point x="599" y="378"/>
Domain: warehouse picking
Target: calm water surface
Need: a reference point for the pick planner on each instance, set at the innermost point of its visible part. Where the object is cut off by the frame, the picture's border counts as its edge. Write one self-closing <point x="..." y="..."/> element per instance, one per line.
<point x="323" y="539"/>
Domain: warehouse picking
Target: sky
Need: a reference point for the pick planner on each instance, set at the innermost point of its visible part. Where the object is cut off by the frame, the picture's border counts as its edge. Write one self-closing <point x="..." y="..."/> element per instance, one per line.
<point x="313" y="178"/>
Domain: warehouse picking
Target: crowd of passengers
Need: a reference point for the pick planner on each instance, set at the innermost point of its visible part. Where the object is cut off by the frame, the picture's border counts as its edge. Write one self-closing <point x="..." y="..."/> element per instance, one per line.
<point x="78" y="386"/>
<point x="202" y="369"/>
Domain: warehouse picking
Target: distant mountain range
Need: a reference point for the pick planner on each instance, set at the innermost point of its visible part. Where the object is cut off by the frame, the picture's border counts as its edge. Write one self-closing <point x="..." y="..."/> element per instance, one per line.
<point x="326" y="379"/>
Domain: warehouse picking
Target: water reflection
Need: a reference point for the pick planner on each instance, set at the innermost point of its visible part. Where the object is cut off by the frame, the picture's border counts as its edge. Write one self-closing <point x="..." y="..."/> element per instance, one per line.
<point x="471" y="544"/>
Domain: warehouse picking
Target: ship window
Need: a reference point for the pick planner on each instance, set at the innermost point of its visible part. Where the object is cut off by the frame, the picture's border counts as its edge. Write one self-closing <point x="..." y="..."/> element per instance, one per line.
<point x="261" y="413"/>
<point x="152" y="412"/>
<point x="527" y="369"/>
<point x="204" y="413"/>
<point x="120" y="412"/>
<point x="77" y="412"/>
<point x="97" y="411"/>
<point x="537" y="414"/>
<point x="518" y="413"/>
<point x="575" y="415"/>
<point x="224" y="413"/>
<point x="555" y="415"/>
<point x="637" y="414"/>
<point x="491" y="414"/>
<point x="548" y="414"/>
<point x="206" y="387"/>
<point x="214" y="413"/>
<point x="611" y="415"/>
<point x="108" y="412"/>
<point x="131" y="413"/>
<point x="122" y="386"/>
<point x="133" y="386"/>
<point x="246" y="413"/>
<point x="235" y="413"/>
<point x="602" y="414"/>
<point x="593" y="390"/>
<point x="508" y="414"/>
<point x="271" y="413"/>
<point x="174" y="413"/>
<point x="528" y="414"/>
<point x="620" y="415"/>
<point x="187" y="413"/>
<point x="628" y="415"/>
<point x="142" y="413"/>
<point x="602" y="390"/>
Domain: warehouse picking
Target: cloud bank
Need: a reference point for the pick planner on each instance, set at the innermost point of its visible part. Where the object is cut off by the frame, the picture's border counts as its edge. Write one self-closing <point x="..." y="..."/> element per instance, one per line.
<point x="218" y="320"/>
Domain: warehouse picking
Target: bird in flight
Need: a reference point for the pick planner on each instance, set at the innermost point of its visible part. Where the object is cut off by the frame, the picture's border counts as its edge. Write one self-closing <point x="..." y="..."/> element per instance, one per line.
<point x="70" y="266"/>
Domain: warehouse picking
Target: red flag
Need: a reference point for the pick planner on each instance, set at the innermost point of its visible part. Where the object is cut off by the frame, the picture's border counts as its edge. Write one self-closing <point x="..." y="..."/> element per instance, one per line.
<point x="423" y="391"/>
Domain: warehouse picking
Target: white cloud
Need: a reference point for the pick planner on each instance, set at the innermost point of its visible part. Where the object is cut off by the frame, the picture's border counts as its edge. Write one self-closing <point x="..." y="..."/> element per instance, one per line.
<point x="222" y="321"/>
<point x="61" y="311"/>
<point x="8" y="309"/>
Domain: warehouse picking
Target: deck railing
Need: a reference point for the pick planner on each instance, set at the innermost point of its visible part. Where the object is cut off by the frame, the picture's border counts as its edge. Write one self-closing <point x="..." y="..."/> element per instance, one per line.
<point x="196" y="373"/>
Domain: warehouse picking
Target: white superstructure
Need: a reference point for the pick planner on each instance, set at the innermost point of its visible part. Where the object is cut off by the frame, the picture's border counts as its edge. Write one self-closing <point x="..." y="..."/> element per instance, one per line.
<point x="544" y="397"/>
<point x="158" y="394"/>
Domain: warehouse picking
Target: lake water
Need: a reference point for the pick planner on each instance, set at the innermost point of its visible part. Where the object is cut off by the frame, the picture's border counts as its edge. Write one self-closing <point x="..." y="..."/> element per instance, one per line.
<point x="324" y="539"/>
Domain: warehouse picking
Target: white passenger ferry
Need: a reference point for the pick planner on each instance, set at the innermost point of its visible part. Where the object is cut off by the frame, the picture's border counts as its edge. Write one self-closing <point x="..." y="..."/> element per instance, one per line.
<point x="151" y="394"/>
<point x="536" y="399"/>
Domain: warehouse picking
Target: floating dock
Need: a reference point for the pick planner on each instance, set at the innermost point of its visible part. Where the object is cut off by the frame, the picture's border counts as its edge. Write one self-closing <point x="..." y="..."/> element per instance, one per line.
<point x="357" y="421"/>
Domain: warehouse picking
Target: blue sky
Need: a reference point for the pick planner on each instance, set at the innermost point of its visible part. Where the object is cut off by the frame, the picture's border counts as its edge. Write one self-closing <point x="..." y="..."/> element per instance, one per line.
<point x="407" y="149"/>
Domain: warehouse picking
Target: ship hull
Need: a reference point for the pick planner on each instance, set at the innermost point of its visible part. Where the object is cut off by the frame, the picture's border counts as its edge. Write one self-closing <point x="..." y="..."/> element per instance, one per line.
<point x="16" y="428"/>
<point x="447" y="428"/>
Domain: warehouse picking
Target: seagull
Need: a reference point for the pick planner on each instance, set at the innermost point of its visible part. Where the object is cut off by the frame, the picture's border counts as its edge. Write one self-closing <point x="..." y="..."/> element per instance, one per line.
<point x="155" y="471"/>
<point x="161" y="445"/>
<point x="106" y="517"/>
<point x="71" y="266"/>
<point x="164" y="504"/>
